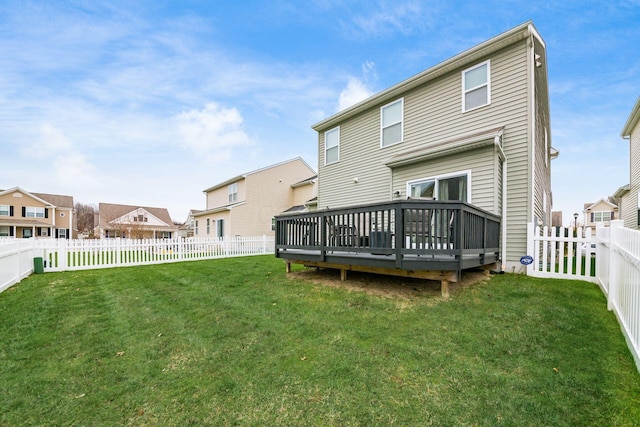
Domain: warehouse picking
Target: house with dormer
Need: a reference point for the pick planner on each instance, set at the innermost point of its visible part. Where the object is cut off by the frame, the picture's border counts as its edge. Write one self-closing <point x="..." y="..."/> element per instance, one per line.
<point x="133" y="222"/>
<point x="25" y="214"/>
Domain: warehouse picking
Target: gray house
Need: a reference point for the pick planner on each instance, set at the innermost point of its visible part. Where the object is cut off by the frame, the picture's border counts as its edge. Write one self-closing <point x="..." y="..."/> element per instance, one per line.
<point x="628" y="196"/>
<point x="474" y="128"/>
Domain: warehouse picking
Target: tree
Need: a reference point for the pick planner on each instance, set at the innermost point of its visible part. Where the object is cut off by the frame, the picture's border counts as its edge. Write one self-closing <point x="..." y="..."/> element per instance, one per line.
<point x="85" y="217"/>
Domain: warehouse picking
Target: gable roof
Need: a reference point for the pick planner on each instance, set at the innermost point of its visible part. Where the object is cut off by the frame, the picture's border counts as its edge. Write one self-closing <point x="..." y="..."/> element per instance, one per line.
<point x="588" y="206"/>
<point x="459" y="61"/>
<point x="108" y="212"/>
<point x="244" y="175"/>
<point x="55" y="200"/>
<point x="632" y="120"/>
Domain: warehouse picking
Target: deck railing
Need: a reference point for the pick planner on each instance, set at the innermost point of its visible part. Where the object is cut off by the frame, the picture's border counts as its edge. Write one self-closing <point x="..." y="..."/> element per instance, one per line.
<point x="409" y="234"/>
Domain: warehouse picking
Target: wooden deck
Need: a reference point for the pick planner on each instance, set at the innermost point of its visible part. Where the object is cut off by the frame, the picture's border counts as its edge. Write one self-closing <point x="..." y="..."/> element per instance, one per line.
<point x="428" y="239"/>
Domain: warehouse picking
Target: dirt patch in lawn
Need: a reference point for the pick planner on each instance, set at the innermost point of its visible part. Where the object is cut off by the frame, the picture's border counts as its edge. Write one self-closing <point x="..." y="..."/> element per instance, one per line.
<point x="386" y="286"/>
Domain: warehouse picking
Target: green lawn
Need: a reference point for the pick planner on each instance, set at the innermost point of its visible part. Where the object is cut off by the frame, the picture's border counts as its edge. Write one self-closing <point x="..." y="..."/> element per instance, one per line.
<point x="236" y="342"/>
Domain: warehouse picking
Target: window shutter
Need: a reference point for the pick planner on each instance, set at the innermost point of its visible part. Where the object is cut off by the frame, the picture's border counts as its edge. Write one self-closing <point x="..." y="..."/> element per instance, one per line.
<point x="10" y="231"/>
<point x="10" y="210"/>
<point x="593" y="217"/>
<point x="24" y="212"/>
<point x="46" y="213"/>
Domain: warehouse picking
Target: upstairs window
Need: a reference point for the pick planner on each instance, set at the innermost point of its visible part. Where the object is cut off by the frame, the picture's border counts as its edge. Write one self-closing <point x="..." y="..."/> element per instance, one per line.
<point x="391" y="121"/>
<point x="602" y="216"/>
<point x="476" y="86"/>
<point x="233" y="193"/>
<point x="332" y="146"/>
<point x="5" y="210"/>
<point x="31" y="212"/>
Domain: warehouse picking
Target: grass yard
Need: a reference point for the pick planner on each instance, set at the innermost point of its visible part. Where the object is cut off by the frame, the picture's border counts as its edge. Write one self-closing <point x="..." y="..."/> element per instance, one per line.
<point x="236" y="342"/>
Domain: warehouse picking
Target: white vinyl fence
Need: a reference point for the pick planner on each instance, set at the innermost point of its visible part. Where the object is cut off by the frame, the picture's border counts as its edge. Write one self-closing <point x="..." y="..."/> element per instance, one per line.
<point x="611" y="259"/>
<point x="17" y="255"/>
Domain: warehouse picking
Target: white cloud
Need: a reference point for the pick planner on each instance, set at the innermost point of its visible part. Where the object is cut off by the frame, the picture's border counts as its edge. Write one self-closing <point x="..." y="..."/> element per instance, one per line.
<point x="213" y="132"/>
<point x="355" y="92"/>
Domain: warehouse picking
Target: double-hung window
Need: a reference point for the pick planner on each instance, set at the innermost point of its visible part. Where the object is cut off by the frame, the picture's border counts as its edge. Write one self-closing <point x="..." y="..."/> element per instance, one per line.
<point x="31" y="212"/>
<point x="602" y="216"/>
<point x="332" y="146"/>
<point x="391" y="123"/>
<point x="233" y="192"/>
<point x="5" y="210"/>
<point x="476" y="86"/>
<point x="208" y="225"/>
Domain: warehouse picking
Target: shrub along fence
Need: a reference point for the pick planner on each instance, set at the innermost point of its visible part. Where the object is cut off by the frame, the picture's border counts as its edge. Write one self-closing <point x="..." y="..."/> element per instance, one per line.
<point x="21" y="257"/>
<point x="611" y="259"/>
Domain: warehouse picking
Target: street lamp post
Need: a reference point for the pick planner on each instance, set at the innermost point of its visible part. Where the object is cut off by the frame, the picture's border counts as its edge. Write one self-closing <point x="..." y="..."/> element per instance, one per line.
<point x="575" y="217"/>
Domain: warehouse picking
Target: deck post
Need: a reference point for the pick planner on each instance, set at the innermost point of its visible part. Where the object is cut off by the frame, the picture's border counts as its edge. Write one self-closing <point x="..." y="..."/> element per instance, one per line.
<point x="343" y="275"/>
<point x="444" y="288"/>
<point x="288" y="266"/>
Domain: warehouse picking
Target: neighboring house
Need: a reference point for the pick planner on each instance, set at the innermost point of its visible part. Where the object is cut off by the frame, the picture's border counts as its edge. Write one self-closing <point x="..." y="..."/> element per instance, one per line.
<point x="475" y="128"/>
<point x="628" y="195"/>
<point x="556" y="219"/>
<point x="600" y="212"/>
<point x="25" y="214"/>
<point x="186" y="229"/>
<point x="133" y="222"/>
<point x="246" y="204"/>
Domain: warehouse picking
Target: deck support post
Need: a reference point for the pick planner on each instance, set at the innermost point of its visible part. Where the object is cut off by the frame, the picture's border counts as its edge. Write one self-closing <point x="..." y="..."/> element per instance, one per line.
<point x="343" y="275"/>
<point x="288" y="267"/>
<point x="444" y="288"/>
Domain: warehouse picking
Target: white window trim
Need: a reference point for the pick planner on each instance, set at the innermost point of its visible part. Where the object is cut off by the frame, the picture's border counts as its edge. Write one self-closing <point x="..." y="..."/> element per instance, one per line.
<point x="401" y="101"/>
<point x="232" y="191"/>
<point x="436" y="178"/>
<point x="601" y="213"/>
<point x="488" y="84"/>
<point x="8" y="210"/>
<point x="336" y="129"/>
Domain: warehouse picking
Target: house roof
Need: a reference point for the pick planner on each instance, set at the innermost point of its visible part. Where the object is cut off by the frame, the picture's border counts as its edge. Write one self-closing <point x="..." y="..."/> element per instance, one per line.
<point x="622" y="191"/>
<point x="108" y="212"/>
<point x="305" y="181"/>
<point x="588" y="206"/>
<point x="632" y="120"/>
<point x="55" y="200"/>
<point x="446" y="147"/>
<point x="244" y="175"/>
<point x="461" y="60"/>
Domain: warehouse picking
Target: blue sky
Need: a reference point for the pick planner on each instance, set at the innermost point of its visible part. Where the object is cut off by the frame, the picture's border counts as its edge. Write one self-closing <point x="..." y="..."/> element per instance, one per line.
<point x="150" y="102"/>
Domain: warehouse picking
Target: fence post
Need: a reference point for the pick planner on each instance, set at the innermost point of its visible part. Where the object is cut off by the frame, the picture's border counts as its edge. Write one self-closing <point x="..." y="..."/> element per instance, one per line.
<point x="614" y="275"/>
<point x="530" y="248"/>
<point x="63" y="261"/>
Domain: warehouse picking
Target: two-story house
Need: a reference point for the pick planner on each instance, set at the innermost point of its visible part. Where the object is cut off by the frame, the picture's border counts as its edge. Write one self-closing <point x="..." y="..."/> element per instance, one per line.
<point x="601" y="212"/>
<point x="628" y="196"/>
<point x="474" y="128"/>
<point x="133" y="222"/>
<point x="246" y="204"/>
<point x="25" y="214"/>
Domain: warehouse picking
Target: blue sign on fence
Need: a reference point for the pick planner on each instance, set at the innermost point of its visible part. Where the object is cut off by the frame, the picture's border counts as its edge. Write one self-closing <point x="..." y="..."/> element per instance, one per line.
<point x="526" y="260"/>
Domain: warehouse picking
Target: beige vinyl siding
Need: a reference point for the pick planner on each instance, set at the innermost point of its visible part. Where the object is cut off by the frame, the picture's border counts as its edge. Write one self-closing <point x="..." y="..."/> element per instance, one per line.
<point x="480" y="162"/>
<point x="433" y="112"/>
<point x="220" y="196"/>
<point x="268" y="193"/>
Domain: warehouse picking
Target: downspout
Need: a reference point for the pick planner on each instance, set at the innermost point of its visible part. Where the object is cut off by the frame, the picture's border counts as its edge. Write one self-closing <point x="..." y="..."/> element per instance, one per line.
<point x="497" y="141"/>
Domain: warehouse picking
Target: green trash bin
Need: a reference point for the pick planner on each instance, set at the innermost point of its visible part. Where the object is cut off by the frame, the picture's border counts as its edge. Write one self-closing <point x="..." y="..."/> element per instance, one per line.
<point x="38" y="265"/>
